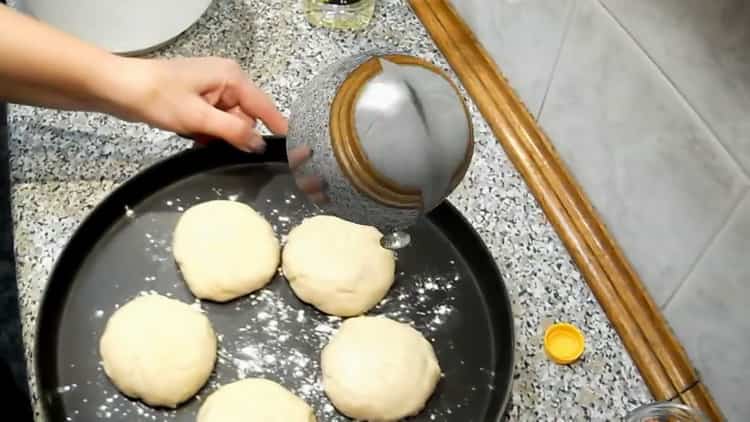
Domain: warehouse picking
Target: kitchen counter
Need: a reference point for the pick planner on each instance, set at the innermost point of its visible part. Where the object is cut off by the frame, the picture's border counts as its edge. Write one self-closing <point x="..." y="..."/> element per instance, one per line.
<point x="63" y="163"/>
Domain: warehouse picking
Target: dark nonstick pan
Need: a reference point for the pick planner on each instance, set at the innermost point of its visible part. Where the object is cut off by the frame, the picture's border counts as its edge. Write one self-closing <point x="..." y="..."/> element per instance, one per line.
<point x="447" y="286"/>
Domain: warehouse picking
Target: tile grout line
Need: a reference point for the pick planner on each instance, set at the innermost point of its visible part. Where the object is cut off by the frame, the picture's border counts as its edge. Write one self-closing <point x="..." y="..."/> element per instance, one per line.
<point x="563" y="39"/>
<point x="680" y="94"/>
<point x="711" y="241"/>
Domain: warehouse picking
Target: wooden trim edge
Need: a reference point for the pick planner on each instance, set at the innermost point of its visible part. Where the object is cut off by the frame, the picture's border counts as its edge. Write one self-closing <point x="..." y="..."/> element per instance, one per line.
<point x="348" y="150"/>
<point x="655" y="350"/>
<point x="698" y="397"/>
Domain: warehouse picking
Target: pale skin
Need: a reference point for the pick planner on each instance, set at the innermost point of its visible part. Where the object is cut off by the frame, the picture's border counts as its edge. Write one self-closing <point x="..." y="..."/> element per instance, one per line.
<point x="209" y="98"/>
<point x="205" y="98"/>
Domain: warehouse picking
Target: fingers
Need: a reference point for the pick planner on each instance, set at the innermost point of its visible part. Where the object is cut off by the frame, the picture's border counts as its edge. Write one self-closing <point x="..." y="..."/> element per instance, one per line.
<point x="310" y="184"/>
<point x="298" y="155"/>
<point x="313" y="187"/>
<point x="223" y="83"/>
<point x="237" y="111"/>
<point x="212" y="97"/>
<point x="229" y="126"/>
<point x="256" y="103"/>
<point x="252" y="100"/>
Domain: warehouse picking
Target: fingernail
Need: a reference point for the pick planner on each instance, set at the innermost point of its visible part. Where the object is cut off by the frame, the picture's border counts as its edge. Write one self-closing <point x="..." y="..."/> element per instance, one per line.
<point x="256" y="142"/>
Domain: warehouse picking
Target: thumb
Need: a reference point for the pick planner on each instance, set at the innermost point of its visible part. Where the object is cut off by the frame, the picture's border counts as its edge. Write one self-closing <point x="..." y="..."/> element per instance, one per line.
<point x="217" y="123"/>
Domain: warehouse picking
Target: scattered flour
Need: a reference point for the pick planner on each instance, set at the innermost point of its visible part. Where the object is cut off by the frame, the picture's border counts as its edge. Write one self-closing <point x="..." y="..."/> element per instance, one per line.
<point x="271" y="334"/>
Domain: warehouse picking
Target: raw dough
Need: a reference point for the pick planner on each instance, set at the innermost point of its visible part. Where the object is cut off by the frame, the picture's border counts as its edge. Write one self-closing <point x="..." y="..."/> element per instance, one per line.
<point x="377" y="369"/>
<point x="254" y="400"/>
<point x="158" y="349"/>
<point x="337" y="266"/>
<point x="225" y="250"/>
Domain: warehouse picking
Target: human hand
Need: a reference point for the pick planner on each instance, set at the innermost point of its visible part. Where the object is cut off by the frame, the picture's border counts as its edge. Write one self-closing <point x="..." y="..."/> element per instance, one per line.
<point x="197" y="97"/>
<point x="312" y="185"/>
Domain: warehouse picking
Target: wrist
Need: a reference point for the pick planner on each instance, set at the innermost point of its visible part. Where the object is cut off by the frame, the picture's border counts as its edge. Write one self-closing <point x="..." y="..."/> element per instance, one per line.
<point x="121" y="86"/>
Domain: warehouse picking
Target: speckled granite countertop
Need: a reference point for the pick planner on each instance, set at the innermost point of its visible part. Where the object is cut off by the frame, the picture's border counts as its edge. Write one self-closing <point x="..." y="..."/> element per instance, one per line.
<point x="63" y="163"/>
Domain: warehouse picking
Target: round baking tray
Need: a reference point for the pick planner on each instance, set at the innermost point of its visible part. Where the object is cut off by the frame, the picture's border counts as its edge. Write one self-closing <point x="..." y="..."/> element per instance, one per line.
<point x="447" y="286"/>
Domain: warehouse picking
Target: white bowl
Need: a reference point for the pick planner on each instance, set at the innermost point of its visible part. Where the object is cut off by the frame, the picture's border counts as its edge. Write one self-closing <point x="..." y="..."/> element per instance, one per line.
<point x="120" y="26"/>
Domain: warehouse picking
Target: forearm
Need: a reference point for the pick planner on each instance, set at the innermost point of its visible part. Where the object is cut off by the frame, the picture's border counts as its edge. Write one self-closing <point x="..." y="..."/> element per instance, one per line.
<point x="42" y="66"/>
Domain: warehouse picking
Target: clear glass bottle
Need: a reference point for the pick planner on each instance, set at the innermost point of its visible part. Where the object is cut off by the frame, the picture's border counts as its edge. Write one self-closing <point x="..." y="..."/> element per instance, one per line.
<point x="666" y="412"/>
<point x="340" y="14"/>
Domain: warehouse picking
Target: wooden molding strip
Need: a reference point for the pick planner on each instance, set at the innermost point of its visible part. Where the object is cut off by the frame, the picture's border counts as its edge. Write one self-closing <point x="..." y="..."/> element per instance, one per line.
<point x="698" y="397"/>
<point x="651" y="343"/>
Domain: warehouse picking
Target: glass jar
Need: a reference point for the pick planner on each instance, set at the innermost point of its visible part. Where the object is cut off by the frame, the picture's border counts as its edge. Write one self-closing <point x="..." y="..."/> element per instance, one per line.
<point x="665" y="411"/>
<point x="340" y="14"/>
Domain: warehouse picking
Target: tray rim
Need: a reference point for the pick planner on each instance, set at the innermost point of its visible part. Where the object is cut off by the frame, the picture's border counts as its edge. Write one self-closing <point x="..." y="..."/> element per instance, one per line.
<point x="275" y="153"/>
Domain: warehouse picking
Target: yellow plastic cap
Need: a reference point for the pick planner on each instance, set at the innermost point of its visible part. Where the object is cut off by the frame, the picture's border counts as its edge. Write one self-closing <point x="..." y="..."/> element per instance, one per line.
<point x="563" y="343"/>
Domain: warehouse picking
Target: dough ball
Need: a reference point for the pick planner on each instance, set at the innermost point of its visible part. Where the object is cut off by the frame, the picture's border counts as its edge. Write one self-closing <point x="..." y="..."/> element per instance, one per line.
<point x="225" y="250"/>
<point x="377" y="369"/>
<point x="337" y="266"/>
<point x="254" y="400"/>
<point x="159" y="350"/>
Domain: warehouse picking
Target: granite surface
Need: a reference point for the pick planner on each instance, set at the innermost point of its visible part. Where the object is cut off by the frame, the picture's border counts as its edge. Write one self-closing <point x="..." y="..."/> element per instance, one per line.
<point x="63" y="163"/>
